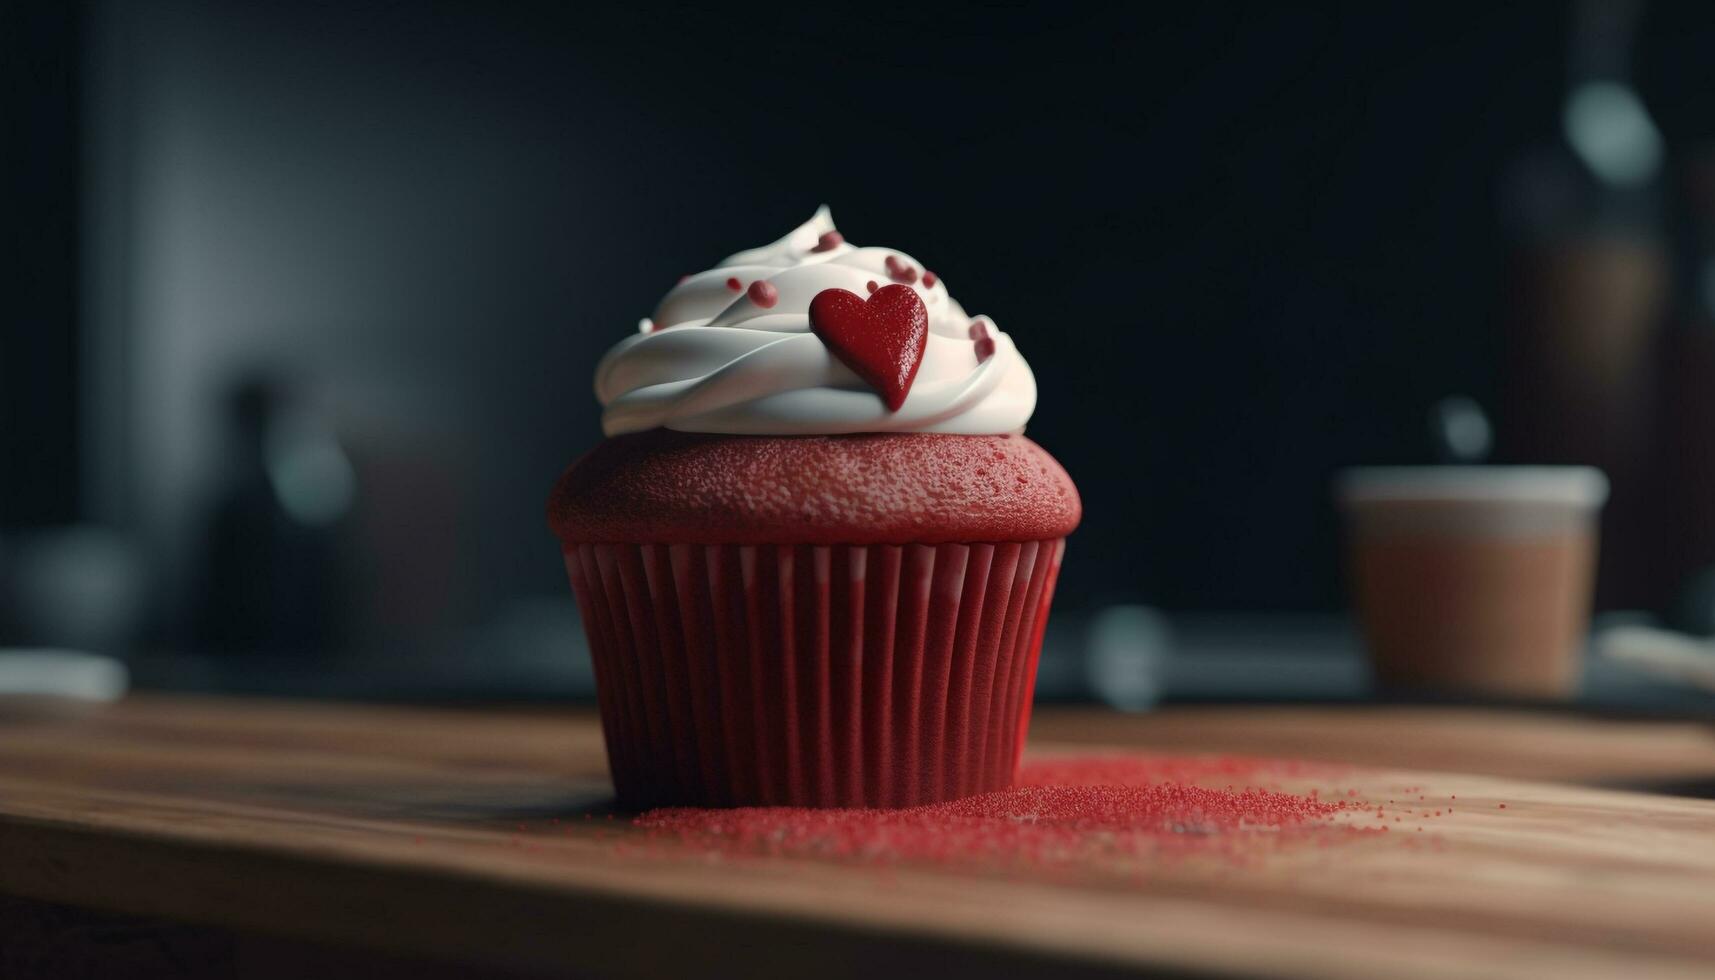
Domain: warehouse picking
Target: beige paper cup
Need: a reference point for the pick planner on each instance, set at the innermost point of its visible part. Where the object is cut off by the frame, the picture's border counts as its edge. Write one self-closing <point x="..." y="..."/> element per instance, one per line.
<point x="1473" y="580"/>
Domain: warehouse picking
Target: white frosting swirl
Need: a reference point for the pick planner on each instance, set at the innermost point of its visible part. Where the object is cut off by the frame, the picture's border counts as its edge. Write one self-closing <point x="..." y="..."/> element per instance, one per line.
<point x="713" y="360"/>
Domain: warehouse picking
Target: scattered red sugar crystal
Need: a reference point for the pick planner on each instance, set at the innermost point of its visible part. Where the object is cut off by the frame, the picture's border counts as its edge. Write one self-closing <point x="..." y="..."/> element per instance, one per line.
<point x="929" y="279"/>
<point x="1098" y="813"/>
<point x="985" y="348"/>
<point x="733" y="284"/>
<point x="871" y="286"/>
<point x="763" y="293"/>
<point x="829" y="241"/>
<point x="900" y="271"/>
<point x="1143" y="770"/>
<point x="978" y="330"/>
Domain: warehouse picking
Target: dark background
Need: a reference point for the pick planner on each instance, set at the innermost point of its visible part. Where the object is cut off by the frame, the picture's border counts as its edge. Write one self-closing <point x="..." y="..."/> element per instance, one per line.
<point x="1241" y="246"/>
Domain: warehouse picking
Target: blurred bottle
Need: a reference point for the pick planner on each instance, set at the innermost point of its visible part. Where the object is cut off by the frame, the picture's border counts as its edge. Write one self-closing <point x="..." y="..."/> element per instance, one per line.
<point x="275" y="571"/>
<point x="1688" y="409"/>
<point x="1588" y="284"/>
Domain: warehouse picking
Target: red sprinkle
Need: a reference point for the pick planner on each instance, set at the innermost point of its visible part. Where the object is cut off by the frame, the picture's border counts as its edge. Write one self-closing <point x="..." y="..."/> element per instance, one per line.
<point x="977" y="330"/>
<point x="829" y="241"/>
<point x="1093" y="813"/>
<point x="929" y="279"/>
<point x="733" y="284"/>
<point x="1503" y="806"/>
<point x="763" y="293"/>
<point x="985" y="348"/>
<point x="900" y="271"/>
<point x="871" y="286"/>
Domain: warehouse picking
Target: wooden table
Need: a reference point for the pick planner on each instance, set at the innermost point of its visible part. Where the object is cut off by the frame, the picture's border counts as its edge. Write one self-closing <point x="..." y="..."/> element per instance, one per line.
<point x="222" y="837"/>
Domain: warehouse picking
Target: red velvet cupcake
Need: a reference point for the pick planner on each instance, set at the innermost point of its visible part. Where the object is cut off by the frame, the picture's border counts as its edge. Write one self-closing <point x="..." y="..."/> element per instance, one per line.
<point x="816" y="557"/>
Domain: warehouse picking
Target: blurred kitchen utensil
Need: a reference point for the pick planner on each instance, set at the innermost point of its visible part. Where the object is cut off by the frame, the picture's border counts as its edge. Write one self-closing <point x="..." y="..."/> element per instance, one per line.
<point x="1662" y="653"/>
<point x="1125" y="657"/>
<point x="63" y="674"/>
<point x="80" y="586"/>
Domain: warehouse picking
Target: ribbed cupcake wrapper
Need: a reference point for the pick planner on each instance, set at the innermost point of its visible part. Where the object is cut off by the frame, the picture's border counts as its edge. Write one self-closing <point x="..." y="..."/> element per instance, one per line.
<point x="799" y="675"/>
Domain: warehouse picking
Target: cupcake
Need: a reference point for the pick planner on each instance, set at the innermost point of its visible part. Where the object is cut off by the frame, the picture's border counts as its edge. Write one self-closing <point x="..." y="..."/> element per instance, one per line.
<point x="815" y="554"/>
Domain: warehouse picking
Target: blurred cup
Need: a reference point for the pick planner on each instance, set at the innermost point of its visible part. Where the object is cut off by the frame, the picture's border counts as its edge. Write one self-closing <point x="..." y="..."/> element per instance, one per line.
<point x="1474" y="579"/>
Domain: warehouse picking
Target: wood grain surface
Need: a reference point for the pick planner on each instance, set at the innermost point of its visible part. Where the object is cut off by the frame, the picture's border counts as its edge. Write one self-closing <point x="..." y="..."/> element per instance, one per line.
<point x="461" y="836"/>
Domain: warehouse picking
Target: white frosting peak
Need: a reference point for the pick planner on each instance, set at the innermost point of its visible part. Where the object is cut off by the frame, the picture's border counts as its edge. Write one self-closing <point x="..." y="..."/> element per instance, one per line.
<point x="712" y="359"/>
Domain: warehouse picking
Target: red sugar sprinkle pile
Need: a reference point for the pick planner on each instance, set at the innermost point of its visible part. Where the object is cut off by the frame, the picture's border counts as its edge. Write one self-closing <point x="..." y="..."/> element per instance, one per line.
<point x="828" y="241"/>
<point x="1143" y="770"/>
<point x="1096" y="813"/>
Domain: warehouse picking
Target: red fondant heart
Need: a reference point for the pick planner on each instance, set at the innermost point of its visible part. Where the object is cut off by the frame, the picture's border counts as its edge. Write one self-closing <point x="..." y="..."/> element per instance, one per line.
<point x="881" y="338"/>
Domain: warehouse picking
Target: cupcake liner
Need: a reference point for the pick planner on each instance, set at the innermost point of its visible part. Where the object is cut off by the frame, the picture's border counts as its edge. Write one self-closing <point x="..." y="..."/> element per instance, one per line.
<point x="804" y="675"/>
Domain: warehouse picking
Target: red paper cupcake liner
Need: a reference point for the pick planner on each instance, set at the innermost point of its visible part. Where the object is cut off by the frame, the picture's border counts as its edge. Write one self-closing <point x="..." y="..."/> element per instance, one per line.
<point x="800" y="675"/>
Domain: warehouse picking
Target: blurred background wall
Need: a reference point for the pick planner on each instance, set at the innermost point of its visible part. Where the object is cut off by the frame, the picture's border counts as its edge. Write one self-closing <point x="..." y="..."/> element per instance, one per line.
<point x="1241" y="245"/>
